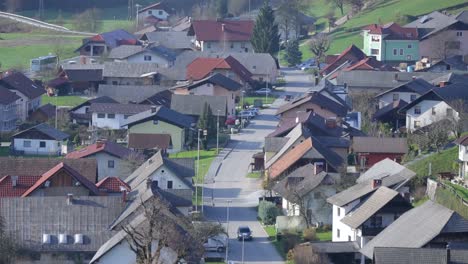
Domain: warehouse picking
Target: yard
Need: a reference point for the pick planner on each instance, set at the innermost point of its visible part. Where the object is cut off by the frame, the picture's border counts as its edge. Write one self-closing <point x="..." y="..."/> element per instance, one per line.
<point x="63" y="100"/>
<point x="266" y="100"/>
<point x="440" y="162"/>
<point x="254" y="175"/>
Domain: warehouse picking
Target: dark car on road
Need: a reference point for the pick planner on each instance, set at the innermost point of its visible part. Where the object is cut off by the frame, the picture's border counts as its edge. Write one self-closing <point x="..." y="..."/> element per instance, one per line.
<point x="244" y="232"/>
<point x="287" y="97"/>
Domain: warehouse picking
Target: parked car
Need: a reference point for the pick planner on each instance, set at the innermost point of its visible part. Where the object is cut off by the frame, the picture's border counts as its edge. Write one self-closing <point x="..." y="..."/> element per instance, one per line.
<point x="230" y="120"/>
<point x="216" y="243"/>
<point x="263" y="91"/>
<point x="306" y="62"/>
<point x="287" y="97"/>
<point x="244" y="232"/>
<point x="255" y="110"/>
<point x="246" y="114"/>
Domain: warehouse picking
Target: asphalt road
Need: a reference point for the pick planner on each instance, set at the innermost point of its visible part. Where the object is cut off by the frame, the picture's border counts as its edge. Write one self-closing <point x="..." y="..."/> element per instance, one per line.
<point x="231" y="188"/>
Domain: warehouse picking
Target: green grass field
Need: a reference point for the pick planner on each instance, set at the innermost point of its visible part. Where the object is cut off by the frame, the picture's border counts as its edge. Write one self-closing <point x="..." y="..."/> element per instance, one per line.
<point x="444" y="161"/>
<point x="448" y="199"/>
<point x="254" y="175"/>
<point x="63" y="100"/>
<point x="463" y="192"/>
<point x="266" y="100"/>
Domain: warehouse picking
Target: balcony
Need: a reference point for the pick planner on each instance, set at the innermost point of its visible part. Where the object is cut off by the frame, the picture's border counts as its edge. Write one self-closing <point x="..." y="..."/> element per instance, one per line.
<point x="371" y="231"/>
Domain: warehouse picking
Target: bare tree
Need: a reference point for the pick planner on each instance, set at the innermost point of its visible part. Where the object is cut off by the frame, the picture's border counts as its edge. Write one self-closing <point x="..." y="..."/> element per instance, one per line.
<point x="319" y="45"/>
<point x="459" y="118"/>
<point x="331" y="20"/>
<point x="159" y="232"/>
<point x="443" y="45"/>
<point x="437" y="133"/>
<point x="89" y="20"/>
<point x="365" y="103"/>
<point x="287" y="16"/>
<point x="8" y="247"/>
<point x="306" y="254"/>
<point x="339" y="4"/>
<point x="356" y="5"/>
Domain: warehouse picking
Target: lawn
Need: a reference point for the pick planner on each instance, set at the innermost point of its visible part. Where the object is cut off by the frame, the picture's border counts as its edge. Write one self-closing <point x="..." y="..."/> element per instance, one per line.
<point x="462" y="191"/>
<point x="63" y="100"/>
<point x="324" y="236"/>
<point x="254" y="175"/>
<point x="266" y="100"/>
<point x="444" y="161"/>
<point x="420" y="201"/>
<point x="383" y="12"/>
<point x="448" y="199"/>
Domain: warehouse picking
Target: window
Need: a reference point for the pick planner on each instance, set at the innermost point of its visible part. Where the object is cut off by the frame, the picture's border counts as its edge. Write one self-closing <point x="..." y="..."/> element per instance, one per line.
<point x="375" y="38"/>
<point x="110" y="164"/>
<point x="115" y="83"/>
<point x="147" y="58"/>
<point x="413" y="97"/>
<point x="376" y="221"/>
<point x="410" y="46"/>
<point x="417" y="124"/>
<point x="338" y="211"/>
<point x="160" y="12"/>
<point x="349" y="238"/>
<point x="452" y="45"/>
<point x="155" y="122"/>
<point x="417" y="110"/>
<point x="169" y="184"/>
<point x="374" y="51"/>
<point x="232" y="45"/>
<point x="396" y="97"/>
<point x="317" y="195"/>
<point x="208" y="45"/>
<point x="111" y="116"/>
<point x="42" y="144"/>
<point x="409" y="57"/>
<point x="337" y="233"/>
<point x="101" y="115"/>
<point x="27" y="143"/>
<point x="449" y="112"/>
<point x="433" y="111"/>
<point x="401" y="52"/>
<point x="150" y="12"/>
<point x="156" y="183"/>
<point x="459" y="34"/>
<point x="242" y="45"/>
<point x="395" y="52"/>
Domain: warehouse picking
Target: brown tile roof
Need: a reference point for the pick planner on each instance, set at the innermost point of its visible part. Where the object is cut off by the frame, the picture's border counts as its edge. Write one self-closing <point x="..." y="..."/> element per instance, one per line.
<point x="108" y="147"/>
<point x="38" y="166"/>
<point x="379" y="145"/>
<point x="149" y="141"/>
<point x="112" y="185"/>
<point x="23" y="183"/>
<point x="288" y="159"/>
<point x="201" y="67"/>
<point x="393" y="31"/>
<point x="212" y="30"/>
<point x="59" y="167"/>
<point x="352" y="53"/>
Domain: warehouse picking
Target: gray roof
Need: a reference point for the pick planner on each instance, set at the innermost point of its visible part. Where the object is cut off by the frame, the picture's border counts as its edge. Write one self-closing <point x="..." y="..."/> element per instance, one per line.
<point x="216" y="79"/>
<point x="293" y="136"/>
<point x="364" y="187"/>
<point x="125" y="51"/>
<point x="274" y="144"/>
<point x="31" y="217"/>
<point x="380" y="145"/>
<point x="129" y="70"/>
<point x="419" y="86"/>
<point x="193" y="104"/>
<point x="161" y="113"/>
<point x="381" y="79"/>
<point x="434" y="22"/>
<point x="176" y="197"/>
<point x="126" y="109"/>
<point x="334" y="247"/>
<point x="129" y="93"/>
<point x="46" y="130"/>
<point x="372" y="205"/>
<point x="415" y="228"/>
<point x="394" y="255"/>
<point x="333" y="142"/>
<point x="299" y="183"/>
<point x="384" y="167"/>
<point x="173" y="39"/>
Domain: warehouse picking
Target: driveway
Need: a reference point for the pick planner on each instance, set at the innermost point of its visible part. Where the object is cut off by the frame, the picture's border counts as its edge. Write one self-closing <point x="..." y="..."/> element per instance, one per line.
<point x="228" y="182"/>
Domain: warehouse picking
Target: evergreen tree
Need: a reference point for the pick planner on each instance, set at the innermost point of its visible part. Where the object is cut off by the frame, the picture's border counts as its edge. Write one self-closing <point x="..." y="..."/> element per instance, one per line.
<point x="222" y="8"/>
<point x="293" y="55"/>
<point x="265" y="37"/>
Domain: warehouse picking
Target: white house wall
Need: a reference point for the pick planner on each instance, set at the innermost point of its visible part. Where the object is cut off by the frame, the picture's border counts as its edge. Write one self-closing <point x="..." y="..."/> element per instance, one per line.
<point x="426" y="117"/>
<point x="219" y="46"/>
<point x="159" y="13"/>
<point x="345" y="231"/>
<point x="111" y="123"/>
<point x="163" y="175"/>
<point x="155" y="59"/>
<point x="52" y="147"/>
<point x="387" y="99"/>
<point x="103" y="159"/>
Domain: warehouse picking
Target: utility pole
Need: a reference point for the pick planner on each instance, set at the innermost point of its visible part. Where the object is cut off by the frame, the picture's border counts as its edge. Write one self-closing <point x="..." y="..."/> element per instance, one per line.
<point x="217" y="133"/>
<point x="227" y="230"/>
<point x="41" y="9"/>
<point x="198" y="170"/>
<point x="56" y="108"/>
<point x="136" y="22"/>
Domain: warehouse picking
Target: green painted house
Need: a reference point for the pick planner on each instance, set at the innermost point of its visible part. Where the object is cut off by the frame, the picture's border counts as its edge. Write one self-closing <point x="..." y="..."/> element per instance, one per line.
<point x="159" y="128"/>
<point x="391" y="43"/>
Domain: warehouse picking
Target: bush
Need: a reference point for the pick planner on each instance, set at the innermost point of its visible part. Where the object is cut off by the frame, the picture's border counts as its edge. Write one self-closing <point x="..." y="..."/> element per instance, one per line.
<point x="290" y="240"/>
<point x="309" y="234"/>
<point x="268" y="212"/>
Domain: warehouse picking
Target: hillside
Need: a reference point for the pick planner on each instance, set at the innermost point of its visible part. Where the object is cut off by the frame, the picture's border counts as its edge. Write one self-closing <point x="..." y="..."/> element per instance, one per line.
<point x="444" y="161"/>
<point x="382" y="12"/>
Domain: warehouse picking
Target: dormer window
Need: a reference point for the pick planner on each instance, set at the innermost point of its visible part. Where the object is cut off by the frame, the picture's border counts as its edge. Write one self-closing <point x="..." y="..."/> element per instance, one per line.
<point x="375" y="38"/>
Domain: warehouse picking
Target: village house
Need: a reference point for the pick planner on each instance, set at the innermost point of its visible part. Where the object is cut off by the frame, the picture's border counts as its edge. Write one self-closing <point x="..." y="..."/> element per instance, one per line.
<point x="30" y="93"/>
<point x="158" y="10"/>
<point x="442" y="35"/>
<point x="113" y="159"/>
<point x="386" y="255"/>
<point x="178" y="41"/>
<point x="347" y="57"/>
<point x="44" y="113"/>
<point x="222" y="35"/>
<point x="162" y="98"/>
<point x="78" y="78"/>
<point x="9" y="114"/>
<point x="192" y="105"/>
<point x="112" y="115"/>
<point x="449" y="65"/>
<point x="370" y="150"/>
<point x="213" y="85"/>
<point x="436" y="105"/>
<point x="80" y="114"/>
<point x="103" y="43"/>
<point x="158" y="54"/>
<point x="462" y="143"/>
<point x="391" y="42"/>
<point x="305" y="193"/>
<point x="159" y="127"/>
<point x="131" y="94"/>
<point x="41" y="139"/>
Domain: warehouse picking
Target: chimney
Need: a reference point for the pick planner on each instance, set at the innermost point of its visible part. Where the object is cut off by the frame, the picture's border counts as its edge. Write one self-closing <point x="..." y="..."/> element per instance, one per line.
<point x="318" y="167"/>
<point x="14" y="181"/>
<point x="82" y="60"/>
<point x="376" y="183"/>
<point x="395" y="77"/>
<point x="70" y="198"/>
<point x="99" y="143"/>
<point x="124" y="194"/>
<point x="448" y="253"/>
<point x="441" y="84"/>
<point x="330" y="123"/>
<point x="153" y="109"/>
<point x="148" y="183"/>
<point x="223" y="27"/>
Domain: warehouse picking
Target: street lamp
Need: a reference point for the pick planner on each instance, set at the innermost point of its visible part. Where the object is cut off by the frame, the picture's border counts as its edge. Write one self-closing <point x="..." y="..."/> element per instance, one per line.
<point x="136" y="22"/>
<point x="203" y="193"/>
<point x="227" y="229"/>
<point x="56" y="109"/>
<point x="217" y="133"/>
<point x="198" y="170"/>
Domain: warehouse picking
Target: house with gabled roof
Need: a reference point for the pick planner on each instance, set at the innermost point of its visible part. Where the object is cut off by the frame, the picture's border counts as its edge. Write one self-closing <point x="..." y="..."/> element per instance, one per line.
<point x="157" y="54"/>
<point x="370" y="150"/>
<point x="348" y="57"/>
<point x="30" y="93"/>
<point x="80" y="114"/>
<point x="9" y="115"/>
<point x="111" y="158"/>
<point x="44" y="113"/>
<point x="41" y="139"/>
<point x="391" y="42"/>
<point x="113" y="115"/>
<point x="222" y="35"/>
<point x="162" y="127"/>
<point x="78" y="78"/>
<point x="429" y="225"/>
<point x="112" y="186"/>
<point x="158" y="10"/>
<point x="162" y="98"/>
<point x="192" y="105"/>
<point x="104" y="42"/>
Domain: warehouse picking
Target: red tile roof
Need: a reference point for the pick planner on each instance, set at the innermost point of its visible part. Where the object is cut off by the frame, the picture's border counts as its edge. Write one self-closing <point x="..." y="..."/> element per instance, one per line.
<point x="108" y="147"/>
<point x="393" y="31"/>
<point x="462" y="140"/>
<point x="112" y="185"/>
<point x="352" y="53"/>
<point x="23" y="183"/>
<point x="62" y="166"/>
<point x="212" y="30"/>
<point x="367" y="64"/>
<point x="201" y="67"/>
<point x="288" y="159"/>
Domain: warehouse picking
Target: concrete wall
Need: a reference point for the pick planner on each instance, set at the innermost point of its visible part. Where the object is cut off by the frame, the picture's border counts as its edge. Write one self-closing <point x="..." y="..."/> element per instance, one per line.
<point x="119" y="169"/>
<point x="8" y="117"/>
<point x="344" y="231"/>
<point x="426" y="117"/>
<point x="155" y="59"/>
<point x="369" y="45"/>
<point x="177" y="133"/>
<point x="463" y="157"/>
<point x="106" y="122"/>
<point x="159" y="13"/>
<point x="433" y="47"/>
<point x="163" y="175"/>
<point x="387" y="99"/>
<point x="209" y="89"/>
<point x="52" y="147"/>
<point x="228" y="46"/>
